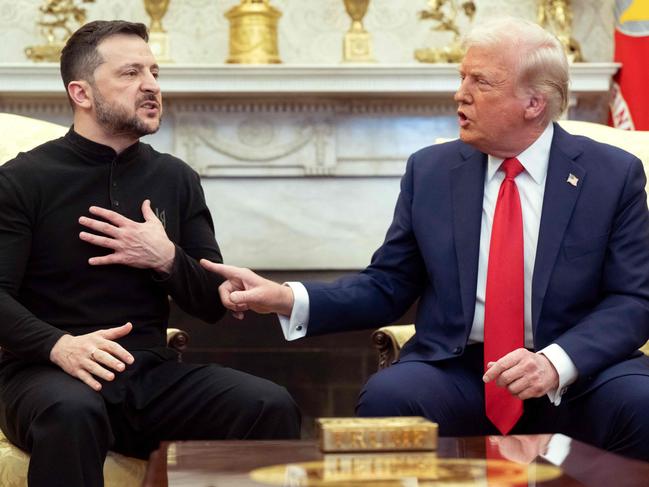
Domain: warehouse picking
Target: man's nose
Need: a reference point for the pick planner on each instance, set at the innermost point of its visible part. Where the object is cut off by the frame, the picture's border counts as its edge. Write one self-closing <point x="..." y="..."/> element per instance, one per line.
<point x="150" y="84"/>
<point x="462" y="95"/>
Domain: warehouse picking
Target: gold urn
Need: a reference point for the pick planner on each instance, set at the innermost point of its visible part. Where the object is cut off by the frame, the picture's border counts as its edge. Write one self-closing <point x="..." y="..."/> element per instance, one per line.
<point x="158" y="38"/>
<point x="253" y="33"/>
<point x="156" y="9"/>
<point x="357" y="45"/>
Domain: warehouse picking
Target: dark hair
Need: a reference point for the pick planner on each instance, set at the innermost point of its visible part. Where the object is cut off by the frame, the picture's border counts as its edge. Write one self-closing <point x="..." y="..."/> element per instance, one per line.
<point x="80" y="58"/>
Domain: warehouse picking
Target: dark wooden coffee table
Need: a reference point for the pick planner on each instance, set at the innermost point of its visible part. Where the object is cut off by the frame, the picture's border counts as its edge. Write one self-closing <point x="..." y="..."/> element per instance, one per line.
<point x="229" y="463"/>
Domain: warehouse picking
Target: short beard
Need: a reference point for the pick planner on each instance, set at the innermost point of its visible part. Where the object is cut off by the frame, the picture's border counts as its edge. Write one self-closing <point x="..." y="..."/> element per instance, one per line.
<point x="117" y="121"/>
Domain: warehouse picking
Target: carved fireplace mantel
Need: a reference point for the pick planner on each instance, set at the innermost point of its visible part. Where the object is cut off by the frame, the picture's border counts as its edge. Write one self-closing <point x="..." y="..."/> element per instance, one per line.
<point x="218" y="80"/>
<point x="301" y="163"/>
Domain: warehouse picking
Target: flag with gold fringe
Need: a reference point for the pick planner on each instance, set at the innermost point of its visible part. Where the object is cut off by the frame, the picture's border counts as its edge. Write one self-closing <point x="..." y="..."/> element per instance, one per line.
<point x="630" y="101"/>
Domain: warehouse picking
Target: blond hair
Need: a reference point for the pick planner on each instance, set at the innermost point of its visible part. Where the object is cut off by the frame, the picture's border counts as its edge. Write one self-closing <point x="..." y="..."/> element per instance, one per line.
<point x="542" y="65"/>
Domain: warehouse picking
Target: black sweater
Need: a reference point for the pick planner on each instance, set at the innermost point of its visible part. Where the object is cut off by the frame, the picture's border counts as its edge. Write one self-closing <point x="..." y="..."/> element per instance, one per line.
<point x="47" y="287"/>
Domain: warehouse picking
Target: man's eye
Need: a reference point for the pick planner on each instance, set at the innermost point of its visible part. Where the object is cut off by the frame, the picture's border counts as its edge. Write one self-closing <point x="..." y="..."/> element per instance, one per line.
<point x="155" y="75"/>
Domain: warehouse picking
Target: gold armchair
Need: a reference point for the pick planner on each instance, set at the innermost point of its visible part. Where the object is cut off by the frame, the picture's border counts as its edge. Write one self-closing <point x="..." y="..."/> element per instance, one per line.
<point x="388" y="340"/>
<point x="21" y="134"/>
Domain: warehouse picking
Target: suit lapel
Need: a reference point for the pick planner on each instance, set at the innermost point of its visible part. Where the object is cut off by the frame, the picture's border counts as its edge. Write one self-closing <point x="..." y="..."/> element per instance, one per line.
<point x="558" y="204"/>
<point x="467" y="188"/>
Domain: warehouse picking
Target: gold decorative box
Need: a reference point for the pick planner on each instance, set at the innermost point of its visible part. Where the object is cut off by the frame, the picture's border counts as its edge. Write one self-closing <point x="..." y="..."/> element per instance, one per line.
<point x="376" y="434"/>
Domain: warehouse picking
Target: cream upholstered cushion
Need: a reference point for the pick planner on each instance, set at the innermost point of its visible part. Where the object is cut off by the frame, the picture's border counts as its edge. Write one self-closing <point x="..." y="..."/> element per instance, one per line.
<point x="634" y="141"/>
<point x="20" y="134"/>
<point x="119" y="471"/>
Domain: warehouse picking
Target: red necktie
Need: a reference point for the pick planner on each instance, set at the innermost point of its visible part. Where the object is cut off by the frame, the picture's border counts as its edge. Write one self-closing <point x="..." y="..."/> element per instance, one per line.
<point x="504" y="323"/>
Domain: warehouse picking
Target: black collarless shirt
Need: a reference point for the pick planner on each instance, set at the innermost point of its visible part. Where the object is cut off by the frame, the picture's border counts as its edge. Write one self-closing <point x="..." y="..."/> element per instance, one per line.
<point x="47" y="287"/>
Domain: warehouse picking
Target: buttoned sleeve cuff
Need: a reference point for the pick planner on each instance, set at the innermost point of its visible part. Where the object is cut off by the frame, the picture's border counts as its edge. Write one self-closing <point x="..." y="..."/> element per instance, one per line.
<point x="295" y="326"/>
<point x="564" y="366"/>
<point x="558" y="449"/>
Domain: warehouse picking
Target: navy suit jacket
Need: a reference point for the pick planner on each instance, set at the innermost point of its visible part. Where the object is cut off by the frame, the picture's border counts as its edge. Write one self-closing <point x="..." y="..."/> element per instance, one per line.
<point x="590" y="288"/>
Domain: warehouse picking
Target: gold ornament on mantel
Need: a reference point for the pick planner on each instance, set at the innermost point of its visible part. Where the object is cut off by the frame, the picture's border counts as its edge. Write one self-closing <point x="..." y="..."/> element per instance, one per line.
<point x="59" y="19"/>
<point x="357" y="44"/>
<point x="446" y="21"/>
<point x="253" y="33"/>
<point x="158" y="38"/>
<point x="556" y="16"/>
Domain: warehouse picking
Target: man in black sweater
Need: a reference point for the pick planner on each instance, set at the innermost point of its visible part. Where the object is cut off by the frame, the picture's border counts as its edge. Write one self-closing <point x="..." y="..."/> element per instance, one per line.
<point x="97" y="229"/>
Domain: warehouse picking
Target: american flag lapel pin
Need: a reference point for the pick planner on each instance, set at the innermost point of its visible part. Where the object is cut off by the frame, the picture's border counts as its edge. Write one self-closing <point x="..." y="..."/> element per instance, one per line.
<point x="572" y="179"/>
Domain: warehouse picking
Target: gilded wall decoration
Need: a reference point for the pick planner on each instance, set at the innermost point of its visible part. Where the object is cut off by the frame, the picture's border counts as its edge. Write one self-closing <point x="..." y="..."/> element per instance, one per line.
<point x="253" y="33"/>
<point x="357" y="43"/>
<point x="310" y="30"/>
<point x="158" y="36"/>
<point x="556" y="16"/>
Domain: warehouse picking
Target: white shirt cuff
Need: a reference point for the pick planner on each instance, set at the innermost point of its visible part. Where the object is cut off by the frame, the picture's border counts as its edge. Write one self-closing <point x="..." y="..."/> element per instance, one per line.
<point x="564" y="366"/>
<point x="558" y="448"/>
<point x="295" y="326"/>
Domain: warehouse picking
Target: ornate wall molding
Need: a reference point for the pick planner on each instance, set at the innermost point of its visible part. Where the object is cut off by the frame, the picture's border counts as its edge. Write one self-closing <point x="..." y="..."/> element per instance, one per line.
<point x="293" y="138"/>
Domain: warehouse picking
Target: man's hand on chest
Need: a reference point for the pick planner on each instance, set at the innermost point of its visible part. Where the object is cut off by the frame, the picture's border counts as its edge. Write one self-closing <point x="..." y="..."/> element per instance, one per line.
<point x="140" y="245"/>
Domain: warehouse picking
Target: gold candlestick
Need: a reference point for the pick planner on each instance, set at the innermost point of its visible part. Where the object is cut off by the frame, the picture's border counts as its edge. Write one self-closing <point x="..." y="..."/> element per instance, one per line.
<point x="357" y="45"/>
<point x="253" y="33"/>
<point x="556" y="16"/>
<point x="158" y="37"/>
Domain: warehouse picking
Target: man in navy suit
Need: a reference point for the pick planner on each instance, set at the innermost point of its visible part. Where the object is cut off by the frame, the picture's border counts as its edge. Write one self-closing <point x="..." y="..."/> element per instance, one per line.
<point x="576" y="286"/>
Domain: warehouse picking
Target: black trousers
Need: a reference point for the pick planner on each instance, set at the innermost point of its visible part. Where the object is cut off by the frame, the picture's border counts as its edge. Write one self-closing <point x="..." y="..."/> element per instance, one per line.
<point x="68" y="428"/>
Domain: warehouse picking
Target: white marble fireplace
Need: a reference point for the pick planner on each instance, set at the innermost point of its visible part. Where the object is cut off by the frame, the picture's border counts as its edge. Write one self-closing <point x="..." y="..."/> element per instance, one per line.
<point x="300" y="164"/>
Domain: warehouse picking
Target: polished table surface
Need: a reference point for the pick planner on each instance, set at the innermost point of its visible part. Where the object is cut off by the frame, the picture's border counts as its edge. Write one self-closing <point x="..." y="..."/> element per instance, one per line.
<point x="229" y="463"/>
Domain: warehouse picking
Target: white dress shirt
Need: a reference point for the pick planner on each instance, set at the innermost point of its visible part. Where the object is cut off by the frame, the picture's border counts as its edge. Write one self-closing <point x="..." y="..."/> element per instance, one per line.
<point x="531" y="187"/>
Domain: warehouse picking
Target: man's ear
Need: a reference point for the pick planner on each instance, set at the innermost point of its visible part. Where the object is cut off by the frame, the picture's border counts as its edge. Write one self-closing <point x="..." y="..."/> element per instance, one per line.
<point x="535" y="107"/>
<point x="81" y="93"/>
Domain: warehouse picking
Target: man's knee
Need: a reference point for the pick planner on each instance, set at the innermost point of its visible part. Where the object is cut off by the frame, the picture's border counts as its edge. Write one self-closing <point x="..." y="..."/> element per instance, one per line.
<point x="276" y="398"/>
<point x="451" y="398"/>
<point x="381" y="397"/>
<point x="278" y="411"/>
<point x="68" y="439"/>
<point x="256" y="408"/>
<point x="618" y="408"/>
<point x="74" y="415"/>
<point x="631" y="434"/>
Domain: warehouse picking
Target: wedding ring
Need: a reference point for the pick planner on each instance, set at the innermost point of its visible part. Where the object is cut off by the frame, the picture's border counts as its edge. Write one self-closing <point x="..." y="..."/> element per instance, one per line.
<point x="92" y="354"/>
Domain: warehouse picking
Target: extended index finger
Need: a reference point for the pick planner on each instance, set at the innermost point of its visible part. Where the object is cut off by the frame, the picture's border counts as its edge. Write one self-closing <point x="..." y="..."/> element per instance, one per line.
<point x="223" y="270"/>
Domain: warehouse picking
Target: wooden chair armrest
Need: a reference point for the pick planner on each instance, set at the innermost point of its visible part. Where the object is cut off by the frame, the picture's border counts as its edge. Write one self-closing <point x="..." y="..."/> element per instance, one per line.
<point x="388" y="340"/>
<point x="177" y="339"/>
